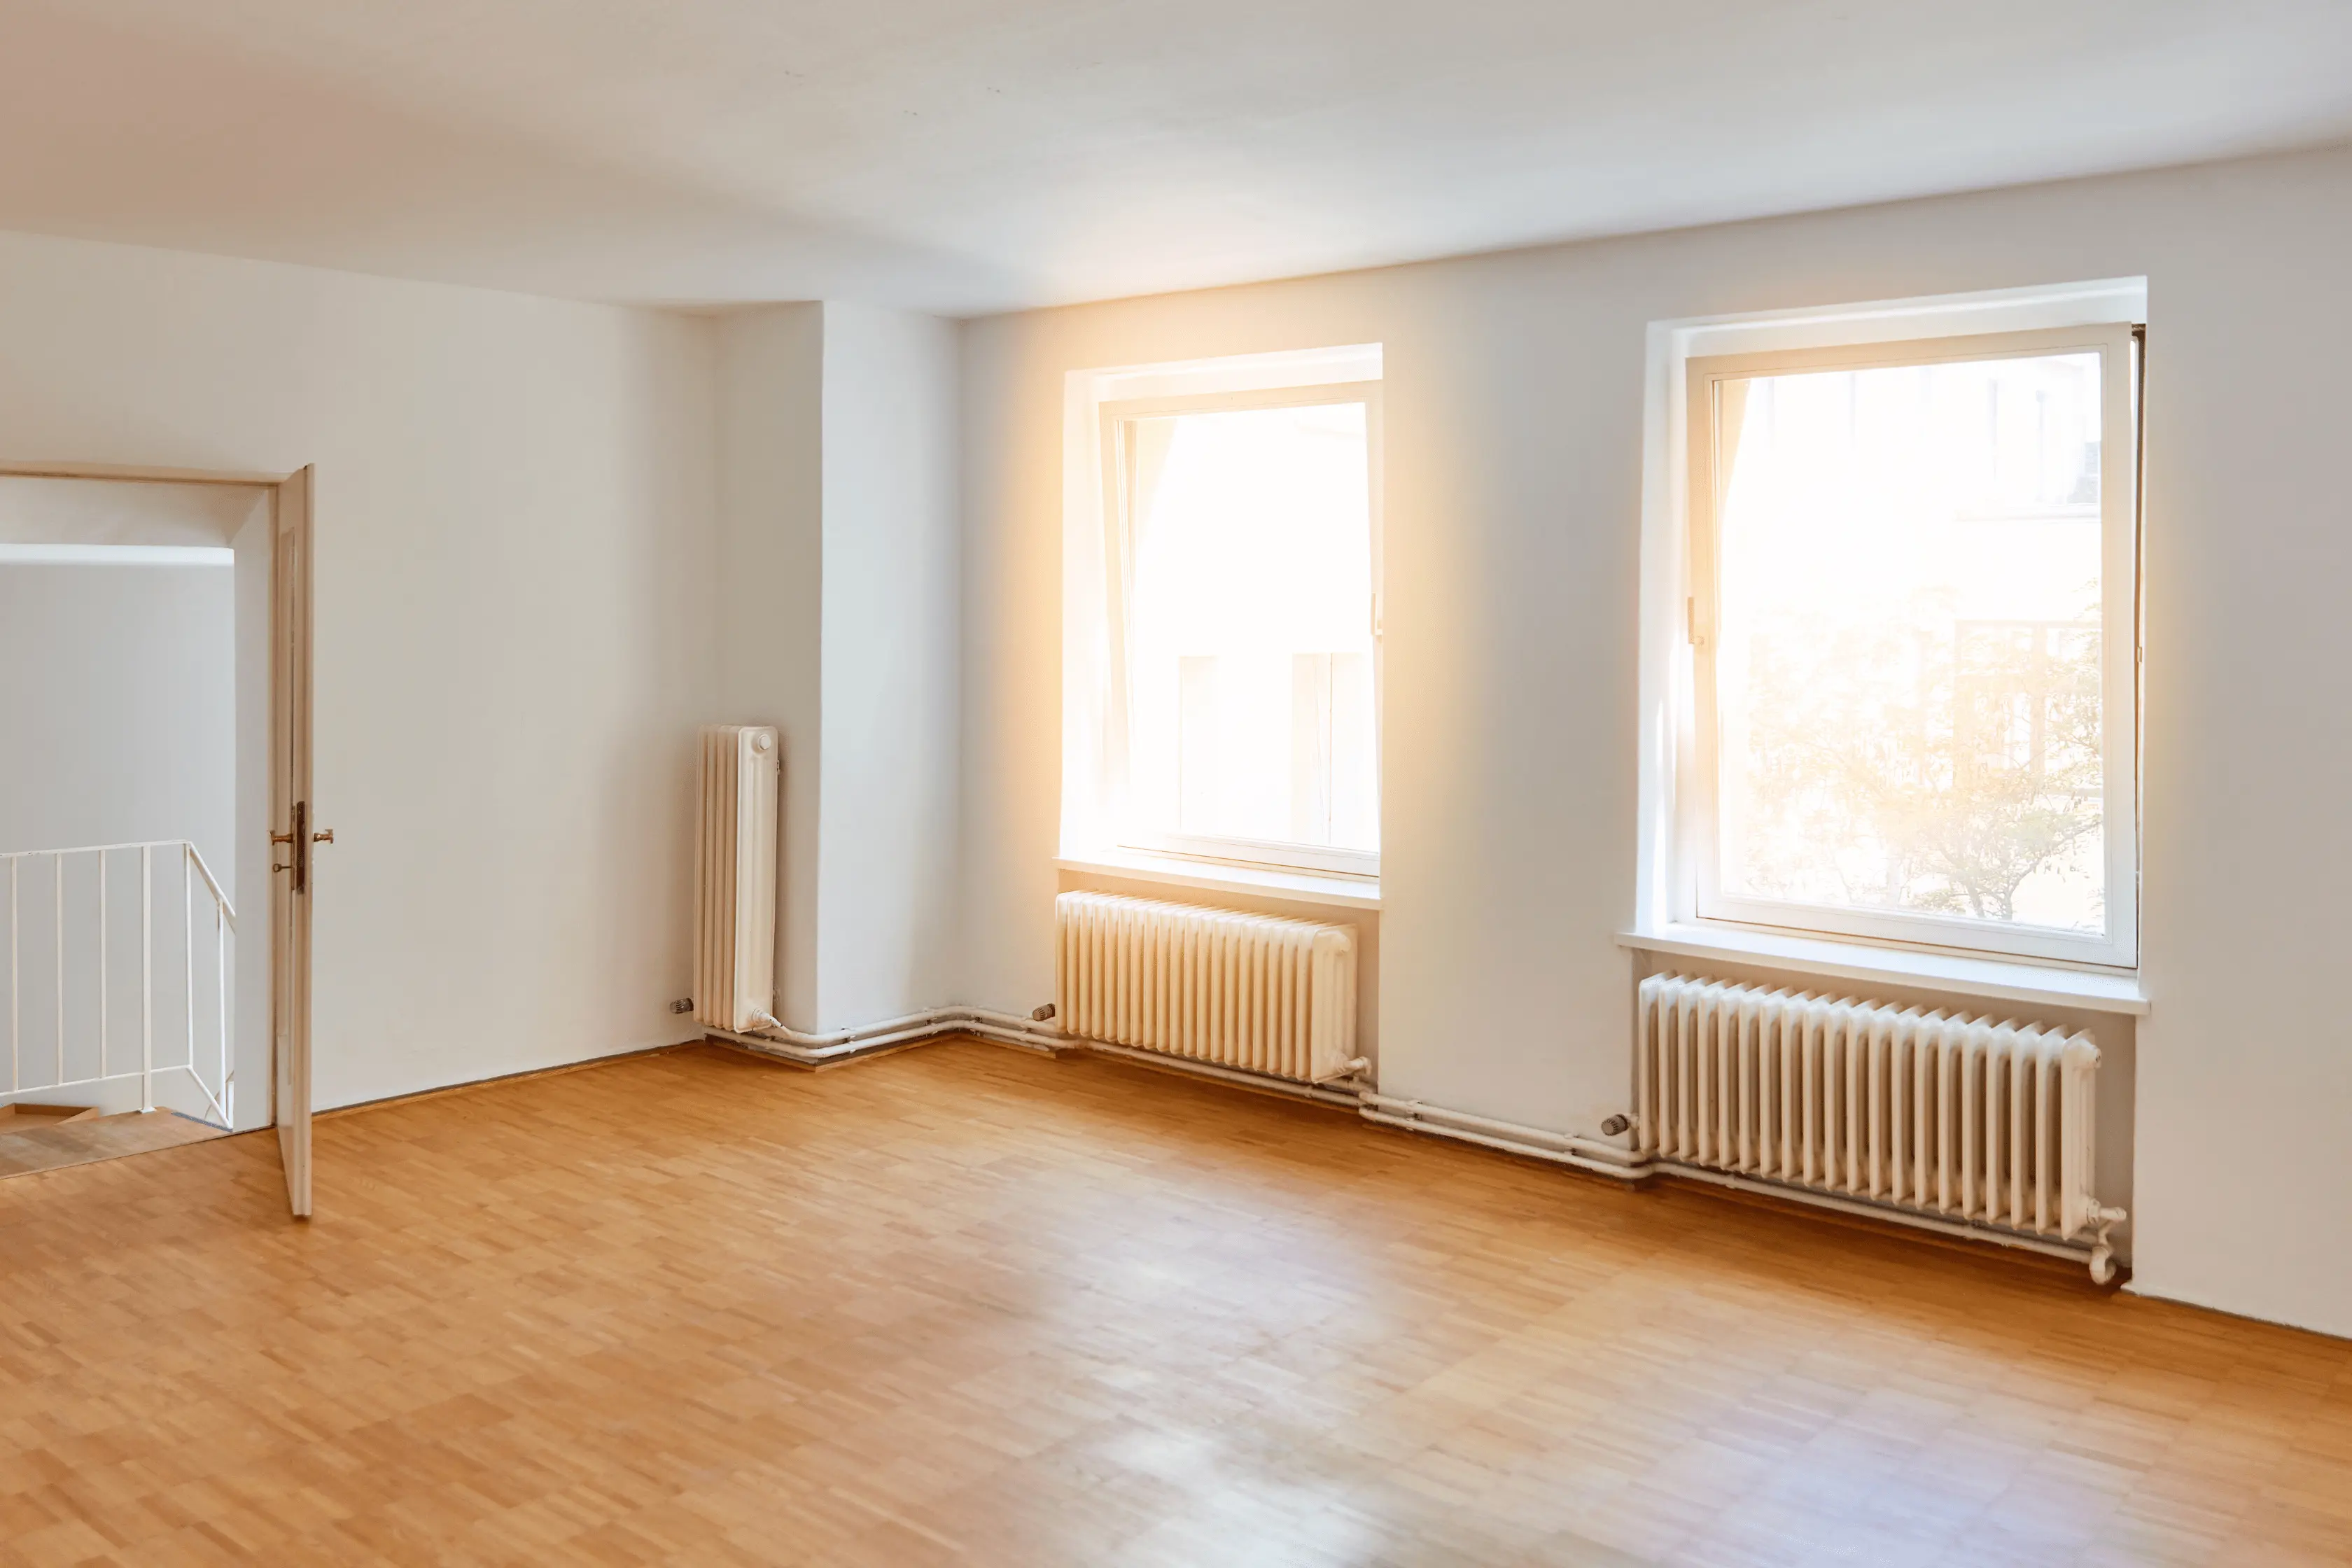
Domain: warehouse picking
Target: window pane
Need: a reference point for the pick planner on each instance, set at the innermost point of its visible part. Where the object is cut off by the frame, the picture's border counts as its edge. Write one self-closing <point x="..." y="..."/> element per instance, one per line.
<point x="1908" y="671"/>
<point x="1249" y="629"/>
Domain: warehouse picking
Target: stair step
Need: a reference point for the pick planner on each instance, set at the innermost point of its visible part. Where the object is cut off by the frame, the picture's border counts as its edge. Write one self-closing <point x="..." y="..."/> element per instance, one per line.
<point x="38" y="1142"/>
<point x="23" y="1117"/>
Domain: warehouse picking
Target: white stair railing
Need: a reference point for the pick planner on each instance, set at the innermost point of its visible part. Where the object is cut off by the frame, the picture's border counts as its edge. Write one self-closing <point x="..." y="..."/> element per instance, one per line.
<point x="66" y="987"/>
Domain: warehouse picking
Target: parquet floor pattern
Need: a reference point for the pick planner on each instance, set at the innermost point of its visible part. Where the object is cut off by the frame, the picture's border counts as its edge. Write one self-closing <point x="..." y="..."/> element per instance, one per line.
<point x="964" y="1305"/>
<point x="35" y="1147"/>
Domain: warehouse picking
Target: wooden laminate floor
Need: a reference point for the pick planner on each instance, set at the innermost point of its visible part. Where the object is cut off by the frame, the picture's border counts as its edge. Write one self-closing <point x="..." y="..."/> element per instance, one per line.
<point x="39" y="1148"/>
<point x="964" y="1305"/>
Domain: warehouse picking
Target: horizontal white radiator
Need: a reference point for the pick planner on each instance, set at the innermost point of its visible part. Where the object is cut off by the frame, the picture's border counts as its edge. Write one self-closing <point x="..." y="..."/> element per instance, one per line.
<point x="735" y="906"/>
<point x="1969" y="1121"/>
<point x="1252" y="993"/>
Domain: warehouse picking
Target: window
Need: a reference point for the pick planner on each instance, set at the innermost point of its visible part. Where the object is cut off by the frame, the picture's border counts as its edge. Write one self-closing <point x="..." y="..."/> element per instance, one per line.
<point x="1240" y="561"/>
<point x="1913" y="619"/>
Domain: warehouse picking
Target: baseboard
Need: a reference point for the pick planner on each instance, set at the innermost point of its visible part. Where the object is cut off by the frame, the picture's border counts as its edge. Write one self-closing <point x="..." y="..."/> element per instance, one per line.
<point x="471" y="1084"/>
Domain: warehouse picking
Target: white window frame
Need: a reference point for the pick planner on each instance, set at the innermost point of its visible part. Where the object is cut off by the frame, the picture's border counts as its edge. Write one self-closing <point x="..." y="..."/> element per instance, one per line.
<point x="1109" y="401"/>
<point x="1705" y="903"/>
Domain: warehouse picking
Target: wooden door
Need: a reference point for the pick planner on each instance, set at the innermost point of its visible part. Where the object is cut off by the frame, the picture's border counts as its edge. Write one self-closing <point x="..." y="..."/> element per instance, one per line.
<point x="293" y="835"/>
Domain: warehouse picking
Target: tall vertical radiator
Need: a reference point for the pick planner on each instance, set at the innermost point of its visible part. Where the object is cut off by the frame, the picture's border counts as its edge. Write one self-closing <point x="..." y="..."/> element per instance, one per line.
<point x="735" y="904"/>
<point x="1976" y="1124"/>
<point x="1251" y="992"/>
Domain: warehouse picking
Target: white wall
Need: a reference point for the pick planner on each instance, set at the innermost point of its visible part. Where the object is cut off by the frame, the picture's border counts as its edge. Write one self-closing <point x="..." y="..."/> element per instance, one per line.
<point x="1514" y="406"/>
<point x="118" y="705"/>
<point x="515" y="635"/>
<point x="838" y="592"/>
<point x="769" y="607"/>
<point x="892" y="642"/>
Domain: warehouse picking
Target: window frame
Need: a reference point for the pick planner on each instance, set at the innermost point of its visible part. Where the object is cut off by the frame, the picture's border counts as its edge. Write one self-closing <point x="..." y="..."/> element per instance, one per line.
<point x="2120" y="345"/>
<point x="1113" y="419"/>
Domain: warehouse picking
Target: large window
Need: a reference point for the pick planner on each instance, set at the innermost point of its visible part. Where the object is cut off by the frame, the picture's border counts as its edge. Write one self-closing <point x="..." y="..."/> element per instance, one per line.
<point x="1913" y="613"/>
<point x="1242" y="559"/>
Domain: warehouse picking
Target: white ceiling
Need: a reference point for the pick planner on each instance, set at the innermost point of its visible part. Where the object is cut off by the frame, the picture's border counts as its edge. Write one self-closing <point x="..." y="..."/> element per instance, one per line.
<point x="971" y="155"/>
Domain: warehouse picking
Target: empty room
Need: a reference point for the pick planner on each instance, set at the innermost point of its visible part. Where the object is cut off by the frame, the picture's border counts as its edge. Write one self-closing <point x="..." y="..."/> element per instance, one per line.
<point x="1367" y="785"/>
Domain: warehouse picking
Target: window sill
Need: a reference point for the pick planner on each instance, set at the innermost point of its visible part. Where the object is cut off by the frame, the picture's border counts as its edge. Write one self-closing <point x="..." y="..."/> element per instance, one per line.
<point x="1266" y="881"/>
<point x="2000" y="979"/>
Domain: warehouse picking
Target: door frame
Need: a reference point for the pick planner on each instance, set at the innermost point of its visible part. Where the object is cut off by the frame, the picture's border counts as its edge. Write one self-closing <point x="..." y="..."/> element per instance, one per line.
<point x="290" y="712"/>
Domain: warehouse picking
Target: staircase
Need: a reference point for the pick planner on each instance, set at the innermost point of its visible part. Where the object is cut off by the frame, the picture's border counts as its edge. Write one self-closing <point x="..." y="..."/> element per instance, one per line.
<point x="115" y="981"/>
<point x="23" y="1118"/>
<point x="46" y="1137"/>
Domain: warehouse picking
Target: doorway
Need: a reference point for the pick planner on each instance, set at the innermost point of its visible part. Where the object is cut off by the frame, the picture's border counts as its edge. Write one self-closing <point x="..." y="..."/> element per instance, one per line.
<point x="154" y="835"/>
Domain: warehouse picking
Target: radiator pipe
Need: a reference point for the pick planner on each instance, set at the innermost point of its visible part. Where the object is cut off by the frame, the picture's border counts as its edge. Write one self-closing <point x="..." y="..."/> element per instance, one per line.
<point x="1426" y="1122"/>
<point x="775" y="1028"/>
<point x="769" y="1032"/>
<point x="1501" y="1134"/>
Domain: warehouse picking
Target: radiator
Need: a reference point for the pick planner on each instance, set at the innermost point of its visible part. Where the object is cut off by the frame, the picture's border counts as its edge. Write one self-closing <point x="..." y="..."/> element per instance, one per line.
<point x="735" y="904"/>
<point x="1251" y="992"/>
<point x="1976" y="1122"/>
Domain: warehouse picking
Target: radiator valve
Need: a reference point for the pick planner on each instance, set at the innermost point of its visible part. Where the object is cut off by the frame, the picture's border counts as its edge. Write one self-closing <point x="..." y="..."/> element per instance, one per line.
<point x="1042" y="1015"/>
<point x="1621" y="1122"/>
<point x="683" y="1004"/>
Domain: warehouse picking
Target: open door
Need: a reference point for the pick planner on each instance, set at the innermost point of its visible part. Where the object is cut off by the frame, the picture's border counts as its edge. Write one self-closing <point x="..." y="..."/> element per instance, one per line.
<point x="292" y="833"/>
